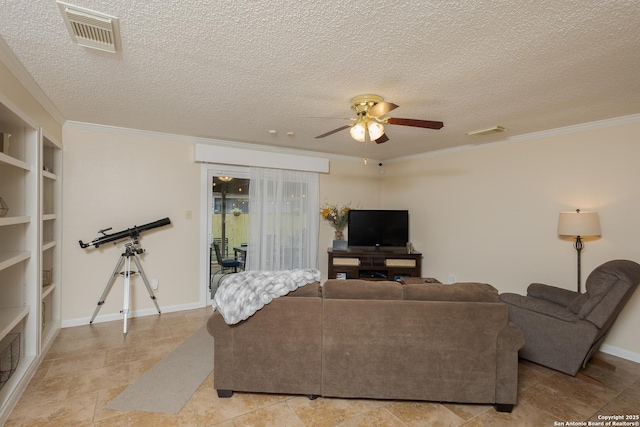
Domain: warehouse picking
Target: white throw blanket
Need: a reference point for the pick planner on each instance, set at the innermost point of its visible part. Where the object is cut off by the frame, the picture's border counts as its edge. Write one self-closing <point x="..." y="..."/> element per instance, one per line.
<point x="242" y="294"/>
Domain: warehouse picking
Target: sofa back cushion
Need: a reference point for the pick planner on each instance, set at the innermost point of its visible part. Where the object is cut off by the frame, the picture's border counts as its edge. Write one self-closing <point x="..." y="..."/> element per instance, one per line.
<point x="362" y="289"/>
<point x="609" y="287"/>
<point x="310" y="290"/>
<point x="462" y="292"/>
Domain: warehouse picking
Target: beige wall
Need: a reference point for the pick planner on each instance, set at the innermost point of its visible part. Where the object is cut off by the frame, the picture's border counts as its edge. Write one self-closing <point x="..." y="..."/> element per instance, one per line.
<point x="121" y="179"/>
<point x="490" y="214"/>
<point x="15" y="92"/>
<point x="348" y="182"/>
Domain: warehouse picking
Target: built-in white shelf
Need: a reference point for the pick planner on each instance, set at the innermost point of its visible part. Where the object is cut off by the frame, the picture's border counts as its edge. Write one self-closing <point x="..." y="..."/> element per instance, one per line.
<point x="13" y="220"/>
<point x="48" y="245"/>
<point x="30" y="242"/>
<point x="9" y="258"/>
<point x="46" y="290"/>
<point x="8" y="160"/>
<point x="49" y="175"/>
<point x="10" y="317"/>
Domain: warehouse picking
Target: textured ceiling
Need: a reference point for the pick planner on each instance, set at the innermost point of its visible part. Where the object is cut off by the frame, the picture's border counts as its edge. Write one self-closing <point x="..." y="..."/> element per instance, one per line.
<point x="233" y="70"/>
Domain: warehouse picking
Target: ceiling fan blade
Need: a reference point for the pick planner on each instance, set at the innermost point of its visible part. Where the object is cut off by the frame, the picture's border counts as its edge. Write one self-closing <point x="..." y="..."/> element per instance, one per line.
<point x="381" y="108"/>
<point x="428" y="124"/>
<point x="383" y="138"/>
<point x="331" y="132"/>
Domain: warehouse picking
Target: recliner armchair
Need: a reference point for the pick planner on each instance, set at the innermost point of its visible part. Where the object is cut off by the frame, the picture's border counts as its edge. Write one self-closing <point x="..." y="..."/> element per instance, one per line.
<point x="564" y="329"/>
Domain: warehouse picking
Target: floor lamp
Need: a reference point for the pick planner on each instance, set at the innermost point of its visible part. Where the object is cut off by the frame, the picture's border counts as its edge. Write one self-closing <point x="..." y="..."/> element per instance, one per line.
<point x="579" y="224"/>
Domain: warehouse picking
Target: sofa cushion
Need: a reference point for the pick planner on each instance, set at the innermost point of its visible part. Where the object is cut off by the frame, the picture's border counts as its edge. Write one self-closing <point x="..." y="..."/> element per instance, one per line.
<point x="598" y="284"/>
<point x="577" y="303"/>
<point x="541" y="306"/>
<point x="309" y="290"/>
<point x="608" y="288"/>
<point x="361" y="289"/>
<point x="417" y="280"/>
<point x="464" y="292"/>
<point x="554" y="294"/>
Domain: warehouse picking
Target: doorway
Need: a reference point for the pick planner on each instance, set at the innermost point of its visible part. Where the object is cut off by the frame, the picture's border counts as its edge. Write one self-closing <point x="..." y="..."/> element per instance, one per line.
<point x="226" y="220"/>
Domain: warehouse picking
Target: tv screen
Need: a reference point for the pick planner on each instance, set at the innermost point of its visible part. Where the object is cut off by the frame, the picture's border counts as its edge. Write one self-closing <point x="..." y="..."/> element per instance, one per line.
<point x="376" y="228"/>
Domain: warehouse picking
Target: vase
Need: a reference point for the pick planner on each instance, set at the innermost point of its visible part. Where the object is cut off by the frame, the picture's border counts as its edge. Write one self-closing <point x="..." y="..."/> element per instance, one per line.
<point x="338" y="235"/>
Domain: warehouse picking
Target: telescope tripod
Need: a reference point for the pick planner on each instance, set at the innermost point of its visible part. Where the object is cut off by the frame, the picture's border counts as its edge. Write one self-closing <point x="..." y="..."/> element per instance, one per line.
<point x="131" y="251"/>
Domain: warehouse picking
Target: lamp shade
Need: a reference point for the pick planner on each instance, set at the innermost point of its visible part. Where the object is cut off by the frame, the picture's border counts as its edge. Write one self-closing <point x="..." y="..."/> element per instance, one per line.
<point x="357" y="131"/>
<point x="376" y="130"/>
<point x="579" y="223"/>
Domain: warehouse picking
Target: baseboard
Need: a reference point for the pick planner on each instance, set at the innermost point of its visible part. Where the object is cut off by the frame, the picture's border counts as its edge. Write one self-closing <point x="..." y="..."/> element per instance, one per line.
<point x="134" y="313"/>
<point x="620" y="352"/>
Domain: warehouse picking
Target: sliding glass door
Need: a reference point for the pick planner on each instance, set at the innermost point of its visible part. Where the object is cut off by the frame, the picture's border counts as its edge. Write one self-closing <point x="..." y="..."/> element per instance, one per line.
<point x="229" y="213"/>
<point x="227" y="219"/>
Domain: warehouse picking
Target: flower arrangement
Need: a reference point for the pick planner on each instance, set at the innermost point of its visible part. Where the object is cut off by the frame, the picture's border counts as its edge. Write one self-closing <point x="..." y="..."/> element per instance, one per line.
<point x="337" y="217"/>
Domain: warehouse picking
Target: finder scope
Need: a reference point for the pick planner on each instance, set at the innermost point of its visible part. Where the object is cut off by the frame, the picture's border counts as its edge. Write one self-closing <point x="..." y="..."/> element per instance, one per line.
<point x="129" y="233"/>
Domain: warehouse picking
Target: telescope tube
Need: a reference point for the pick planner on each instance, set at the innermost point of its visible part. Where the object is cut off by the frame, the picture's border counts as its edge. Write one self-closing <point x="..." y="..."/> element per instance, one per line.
<point x="129" y="233"/>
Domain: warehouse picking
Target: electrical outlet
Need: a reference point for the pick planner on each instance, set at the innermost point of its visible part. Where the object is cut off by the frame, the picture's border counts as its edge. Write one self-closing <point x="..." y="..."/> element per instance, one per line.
<point x="155" y="283"/>
<point x="451" y="279"/>
<point x="189" y="215"/>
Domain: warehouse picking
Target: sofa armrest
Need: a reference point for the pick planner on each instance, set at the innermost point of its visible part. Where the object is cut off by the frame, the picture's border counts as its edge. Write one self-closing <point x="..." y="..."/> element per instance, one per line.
<point x="539" y="306"/>
<point x="551" y="293"/>
<point x="223" y="351"/>
<point x="510" y="340"/>
<point x="277" y="350"/>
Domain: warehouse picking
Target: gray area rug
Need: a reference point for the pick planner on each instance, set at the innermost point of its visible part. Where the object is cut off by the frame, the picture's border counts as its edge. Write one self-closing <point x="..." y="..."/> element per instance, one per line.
<point x="171" y="382"/>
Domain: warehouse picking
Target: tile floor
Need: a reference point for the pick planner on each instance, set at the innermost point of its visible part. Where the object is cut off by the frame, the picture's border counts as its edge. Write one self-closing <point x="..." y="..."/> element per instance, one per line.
<point x="87" y="366"/>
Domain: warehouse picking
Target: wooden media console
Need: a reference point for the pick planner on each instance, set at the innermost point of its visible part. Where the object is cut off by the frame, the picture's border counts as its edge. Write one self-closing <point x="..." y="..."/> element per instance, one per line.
<point x="383" y="264"/>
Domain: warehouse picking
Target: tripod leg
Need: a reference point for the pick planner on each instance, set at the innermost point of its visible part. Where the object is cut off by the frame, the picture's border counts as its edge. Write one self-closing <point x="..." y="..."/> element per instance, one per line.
<point x="146" y="283"/>
<point x="127" y="290"/>
<point x="112" y="280"/>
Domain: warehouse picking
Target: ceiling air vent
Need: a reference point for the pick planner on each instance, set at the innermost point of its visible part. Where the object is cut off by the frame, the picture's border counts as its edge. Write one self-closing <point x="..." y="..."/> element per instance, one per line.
<point x="90" y="29"/>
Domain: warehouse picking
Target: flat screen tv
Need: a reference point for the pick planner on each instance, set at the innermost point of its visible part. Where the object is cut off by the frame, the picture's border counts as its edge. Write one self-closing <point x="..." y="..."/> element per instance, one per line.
<point x="378" y="228"/>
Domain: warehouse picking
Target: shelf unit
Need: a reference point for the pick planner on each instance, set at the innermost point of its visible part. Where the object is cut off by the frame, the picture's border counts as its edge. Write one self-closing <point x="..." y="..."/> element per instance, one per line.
<point x="50" y="237"/>
<point x="373" y="265"/>
<point x="30" y="244"/>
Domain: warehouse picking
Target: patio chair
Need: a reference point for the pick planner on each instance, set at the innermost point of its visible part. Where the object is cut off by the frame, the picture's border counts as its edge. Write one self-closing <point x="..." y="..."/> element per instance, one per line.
<point x="227" y="265"/>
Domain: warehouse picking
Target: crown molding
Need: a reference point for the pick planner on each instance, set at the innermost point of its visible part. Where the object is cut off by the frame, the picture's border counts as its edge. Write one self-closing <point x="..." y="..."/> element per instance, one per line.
<point x="14" y="65"/>
<point x="599" y="124"/>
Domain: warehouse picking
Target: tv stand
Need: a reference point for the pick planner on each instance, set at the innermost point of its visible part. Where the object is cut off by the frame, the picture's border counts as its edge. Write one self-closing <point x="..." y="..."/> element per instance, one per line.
<point x="373" y="264"/>
<point x="378" y="249"/>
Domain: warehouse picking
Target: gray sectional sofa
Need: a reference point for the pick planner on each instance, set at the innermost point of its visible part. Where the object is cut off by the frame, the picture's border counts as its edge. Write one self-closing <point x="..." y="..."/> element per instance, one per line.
<point x="381" y="340"/>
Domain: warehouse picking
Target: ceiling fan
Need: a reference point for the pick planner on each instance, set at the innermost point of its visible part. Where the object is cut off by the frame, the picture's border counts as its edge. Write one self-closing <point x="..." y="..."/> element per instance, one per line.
<point x="369" y="125"/>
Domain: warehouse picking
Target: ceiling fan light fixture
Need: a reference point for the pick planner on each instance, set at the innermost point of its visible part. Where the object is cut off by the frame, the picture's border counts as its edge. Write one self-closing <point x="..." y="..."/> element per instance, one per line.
<point x="369" y="124"/>
<point x="357" y="131"/>
<point x="376" y="130"/>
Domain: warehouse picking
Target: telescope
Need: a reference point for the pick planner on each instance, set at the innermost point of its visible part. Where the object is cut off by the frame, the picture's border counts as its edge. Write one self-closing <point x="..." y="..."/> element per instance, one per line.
<point x="130" y="233"/>
<point x="131" y="251"/>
